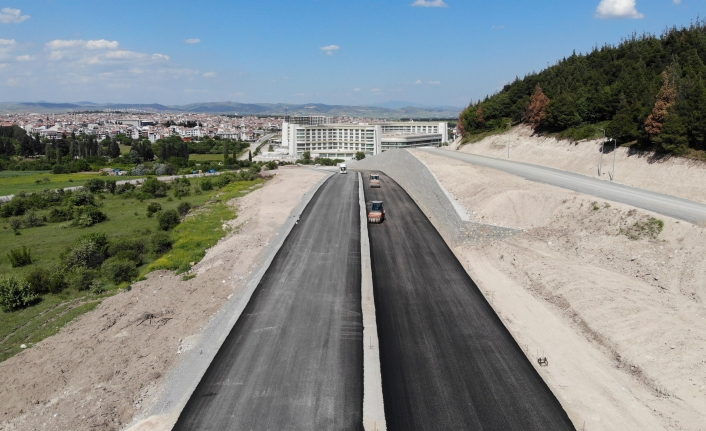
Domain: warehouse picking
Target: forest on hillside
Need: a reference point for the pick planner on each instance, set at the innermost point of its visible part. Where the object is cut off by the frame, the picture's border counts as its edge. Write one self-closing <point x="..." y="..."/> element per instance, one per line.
<point x="649" y="90"/>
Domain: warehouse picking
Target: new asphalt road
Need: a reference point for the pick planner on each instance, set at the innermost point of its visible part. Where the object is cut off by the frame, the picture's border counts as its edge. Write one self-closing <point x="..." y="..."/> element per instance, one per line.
<point x="293" y="360"/>
<point x="683" y="209"/>
<point x="447" y="361"/>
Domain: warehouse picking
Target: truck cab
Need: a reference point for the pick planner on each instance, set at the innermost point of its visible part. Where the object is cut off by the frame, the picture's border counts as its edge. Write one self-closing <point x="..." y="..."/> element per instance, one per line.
<point x="374" y="180"/>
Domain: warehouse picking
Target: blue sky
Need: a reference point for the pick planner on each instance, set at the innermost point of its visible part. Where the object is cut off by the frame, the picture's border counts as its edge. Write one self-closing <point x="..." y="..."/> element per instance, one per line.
<point x="432" y="52"/>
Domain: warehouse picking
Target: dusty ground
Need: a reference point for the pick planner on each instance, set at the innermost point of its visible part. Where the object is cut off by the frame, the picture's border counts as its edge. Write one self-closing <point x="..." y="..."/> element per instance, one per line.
<point x="99" y="371"/>
<point x="671" y="175"/>
<point x="618" y="312"/>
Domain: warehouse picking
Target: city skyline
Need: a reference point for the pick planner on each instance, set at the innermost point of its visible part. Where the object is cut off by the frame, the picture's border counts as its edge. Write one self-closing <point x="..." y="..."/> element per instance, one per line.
<point x="426" y="52"/>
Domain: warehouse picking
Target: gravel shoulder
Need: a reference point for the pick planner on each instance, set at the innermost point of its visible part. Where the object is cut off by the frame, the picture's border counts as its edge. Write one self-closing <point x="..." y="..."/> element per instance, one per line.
<point x="617" y="309"/>
<point x="108" y="366"/>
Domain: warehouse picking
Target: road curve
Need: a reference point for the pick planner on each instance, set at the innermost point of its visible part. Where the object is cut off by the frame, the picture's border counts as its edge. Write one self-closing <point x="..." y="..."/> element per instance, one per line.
<point x="447" y="360"/>
<point x="293" y="361"/>
<point x="254" y="145"/>
<point x="672" y="206"/>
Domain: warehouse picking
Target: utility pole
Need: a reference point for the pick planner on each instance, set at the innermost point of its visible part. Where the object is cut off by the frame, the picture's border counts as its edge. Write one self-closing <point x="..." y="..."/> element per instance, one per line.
<point x="614" y="150"/>
<point x="600" y="164"/>
<point x="509" y="127"/>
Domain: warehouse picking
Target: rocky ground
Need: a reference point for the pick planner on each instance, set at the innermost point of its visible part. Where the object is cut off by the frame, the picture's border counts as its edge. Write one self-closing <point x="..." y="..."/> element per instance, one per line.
<point x="614" y="303"/>
<point x="104" y="368"/>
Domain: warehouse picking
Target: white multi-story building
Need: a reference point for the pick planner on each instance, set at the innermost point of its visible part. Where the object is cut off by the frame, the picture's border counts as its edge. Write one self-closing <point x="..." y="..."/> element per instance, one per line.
<point x="343" y="141"/>
<point x="308" y="120"/>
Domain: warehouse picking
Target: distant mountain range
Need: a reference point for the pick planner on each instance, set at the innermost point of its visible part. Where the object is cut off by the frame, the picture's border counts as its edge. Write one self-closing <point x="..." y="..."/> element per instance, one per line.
<point x="391" y="109"/>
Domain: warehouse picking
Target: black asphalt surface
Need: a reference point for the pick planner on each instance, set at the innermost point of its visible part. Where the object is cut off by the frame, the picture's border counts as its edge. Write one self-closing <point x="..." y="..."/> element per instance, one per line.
<point x="447" y="361"/>
<point x="294" y="359"/>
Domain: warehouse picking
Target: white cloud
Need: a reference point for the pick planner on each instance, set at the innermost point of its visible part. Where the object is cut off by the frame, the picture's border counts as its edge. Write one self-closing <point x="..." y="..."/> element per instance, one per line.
<point x="430" y="3"/>
<point x="677" y="1"/>
<point x="62" y="44"/>
<point x="196" y="40"/>
<point x="329" y="49"/>
<point x="209" y="75"/>
<point x="77" y="43"/>
<point x="418" y="82"/>
<point x="25" y="57"/>
<point x="434" y="82"/>
<point x="375" y="90"/>
<point x="612" y="9"/>
<point x="357" y="89"/>
<point x="101" y="44"/>
<point x="12" y="16"/>
<point x="7" y="42"/>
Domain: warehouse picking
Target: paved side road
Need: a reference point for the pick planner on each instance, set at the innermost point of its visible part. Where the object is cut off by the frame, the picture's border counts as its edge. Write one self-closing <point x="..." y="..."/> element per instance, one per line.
<point x="294" y="359"/>
<point x="682" y="209"/>
<point x="254" y="146"/>
<point x="447" y="360"/>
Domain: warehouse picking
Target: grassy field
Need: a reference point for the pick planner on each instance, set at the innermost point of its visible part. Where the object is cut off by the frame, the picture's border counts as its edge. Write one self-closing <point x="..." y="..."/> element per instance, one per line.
<point x="206" y="157"/>
<point x="13" y="182"/>
<point x="127" y="217"/>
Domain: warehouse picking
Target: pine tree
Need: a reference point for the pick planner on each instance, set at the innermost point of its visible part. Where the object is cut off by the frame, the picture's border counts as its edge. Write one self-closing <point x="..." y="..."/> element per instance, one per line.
<point x="666" y="98"/>
<point x="537" y="108"/>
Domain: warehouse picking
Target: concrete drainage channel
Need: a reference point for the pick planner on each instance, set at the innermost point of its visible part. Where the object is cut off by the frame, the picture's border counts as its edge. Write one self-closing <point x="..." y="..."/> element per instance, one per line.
<point x="186" y="375"/>
<point x="373" y="405"/>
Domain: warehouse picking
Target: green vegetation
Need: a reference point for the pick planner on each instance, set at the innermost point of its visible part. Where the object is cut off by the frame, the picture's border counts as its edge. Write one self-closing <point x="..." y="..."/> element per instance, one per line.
<point x="648" y="91"/>
<point x="203" y="230"/>
<point x="206" y="157"/>
<point x="650" y="228"/>
<point x="72" y="260"/>
<point x="14" y="182"/>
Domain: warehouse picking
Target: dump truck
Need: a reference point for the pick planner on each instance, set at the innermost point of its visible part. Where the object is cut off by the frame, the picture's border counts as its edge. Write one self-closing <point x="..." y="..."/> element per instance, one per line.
<point x="374" y="180"/>
<point x="342" y="168"/>
<point x="376" y="213"/>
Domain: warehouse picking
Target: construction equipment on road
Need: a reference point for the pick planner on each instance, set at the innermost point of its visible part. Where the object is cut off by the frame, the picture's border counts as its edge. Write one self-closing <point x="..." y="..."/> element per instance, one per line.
<point x="342" y="168"/>
<point x="374" y="180"/>
<point x="376" y="213"/>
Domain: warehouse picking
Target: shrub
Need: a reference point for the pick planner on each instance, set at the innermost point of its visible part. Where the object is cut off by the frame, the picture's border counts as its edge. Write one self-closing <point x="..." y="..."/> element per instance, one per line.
<point x="87" y="252"/>
<point x="33" y="220"/>
<point x="20" y="257"/>
<point x="82" y="198"/>
<point x="182" y="187"/>
<point x="222" y="181"/>
<point x="152" y="208"/>
<point x="183" y="208"/>
<point x="206" y="185"/>
<point x="124" y="188"/>
<point x="110" y="186"/>
<point x="82" y="278"/>
<point x="272" y="165"/>
<point x="57" y="215"/>
<point x="88" y="216"/>
<point x="57" y="281"/>
<point x="16" y="224"/>
<point x="39" y="279"/>
<point x="94" y="185"/>
<point x="168" y="220"/>
<point x="160" y="242"/>
<point x="119" y="270"/>
<point x="16" y="207"/>
<point x="16" y="293"/>
<point x="154" y="188"/>
<point x="126" y="248"/>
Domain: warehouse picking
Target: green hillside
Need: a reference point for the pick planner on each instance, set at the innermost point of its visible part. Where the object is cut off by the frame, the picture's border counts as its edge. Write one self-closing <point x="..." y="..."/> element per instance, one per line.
<point x="649" y="90"/>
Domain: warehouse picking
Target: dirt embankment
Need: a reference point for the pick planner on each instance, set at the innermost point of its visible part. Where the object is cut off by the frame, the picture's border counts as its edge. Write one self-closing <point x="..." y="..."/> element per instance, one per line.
<point x="670" y="175"/>
<point x="101" y="370"/>
<point x="615" y="305"/>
